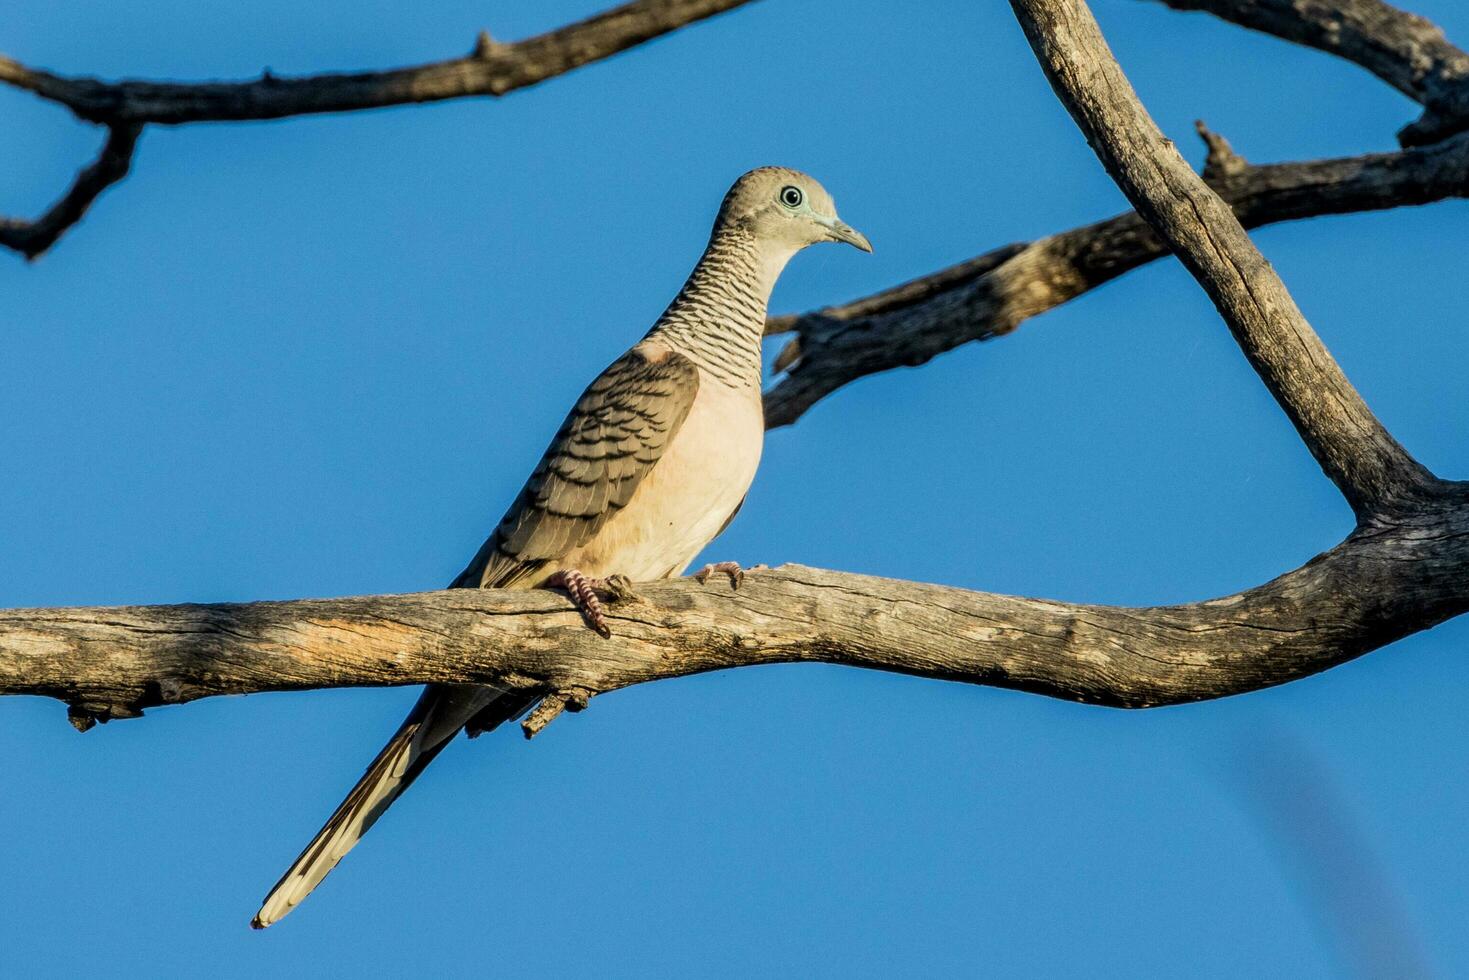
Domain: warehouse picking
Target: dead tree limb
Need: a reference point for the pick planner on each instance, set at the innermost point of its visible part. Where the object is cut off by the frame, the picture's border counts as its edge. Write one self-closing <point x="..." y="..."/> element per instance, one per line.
<point x="1378" y="586"/>
<point x="492" y="68"/>
<point x="990" y="296"/>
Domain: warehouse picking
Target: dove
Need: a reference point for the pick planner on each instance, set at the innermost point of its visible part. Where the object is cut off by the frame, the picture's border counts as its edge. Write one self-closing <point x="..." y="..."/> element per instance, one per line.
<point x="651" y="464"/>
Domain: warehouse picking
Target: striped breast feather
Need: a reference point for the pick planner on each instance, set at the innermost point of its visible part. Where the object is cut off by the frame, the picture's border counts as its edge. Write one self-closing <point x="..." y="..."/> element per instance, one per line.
<point x="616" y="433"/>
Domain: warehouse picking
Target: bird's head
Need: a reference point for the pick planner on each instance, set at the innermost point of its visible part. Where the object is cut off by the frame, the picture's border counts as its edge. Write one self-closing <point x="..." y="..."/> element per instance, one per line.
<point x="786" y="208"/>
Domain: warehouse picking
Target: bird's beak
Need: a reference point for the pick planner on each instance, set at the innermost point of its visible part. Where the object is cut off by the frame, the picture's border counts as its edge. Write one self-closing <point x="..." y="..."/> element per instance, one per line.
<point x="840" y="231"/>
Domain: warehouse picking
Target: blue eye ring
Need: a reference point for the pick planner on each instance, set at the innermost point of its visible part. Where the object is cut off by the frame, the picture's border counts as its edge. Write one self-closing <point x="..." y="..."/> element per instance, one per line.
<point x="791" y="196"/>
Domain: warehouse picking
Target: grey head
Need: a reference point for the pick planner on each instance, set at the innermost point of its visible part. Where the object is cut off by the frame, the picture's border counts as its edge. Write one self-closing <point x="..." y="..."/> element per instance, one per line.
<point x="718" y="317"/>
<point x="786" y="209"/>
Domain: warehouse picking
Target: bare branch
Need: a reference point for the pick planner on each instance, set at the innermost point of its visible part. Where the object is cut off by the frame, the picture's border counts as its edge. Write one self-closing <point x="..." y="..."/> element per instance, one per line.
<point x="31" y="238"/>
<point x="490" y="69"/>
<point x="1379" y="585"/>
<point x="1408" y="52"/>
<point x="991" y="295"/>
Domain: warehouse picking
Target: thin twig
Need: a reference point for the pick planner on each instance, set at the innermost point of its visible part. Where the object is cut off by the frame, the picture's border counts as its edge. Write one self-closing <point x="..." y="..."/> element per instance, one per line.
<point x="31" y="238"/>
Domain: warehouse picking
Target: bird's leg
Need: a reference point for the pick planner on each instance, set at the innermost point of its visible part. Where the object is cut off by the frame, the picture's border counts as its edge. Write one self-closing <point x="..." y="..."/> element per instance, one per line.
<point x="731" y="568"/>
<point x="583" y="592"/>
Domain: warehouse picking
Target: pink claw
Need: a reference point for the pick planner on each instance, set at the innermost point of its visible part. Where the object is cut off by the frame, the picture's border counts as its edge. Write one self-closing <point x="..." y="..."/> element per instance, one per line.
<point x="582" y="591"/>
<point x="731" y="568"/>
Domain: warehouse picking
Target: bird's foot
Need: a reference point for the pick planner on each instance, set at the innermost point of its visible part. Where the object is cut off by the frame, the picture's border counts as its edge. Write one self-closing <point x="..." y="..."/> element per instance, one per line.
<point x="583" y="592"/>
<point x="731" y="568"/>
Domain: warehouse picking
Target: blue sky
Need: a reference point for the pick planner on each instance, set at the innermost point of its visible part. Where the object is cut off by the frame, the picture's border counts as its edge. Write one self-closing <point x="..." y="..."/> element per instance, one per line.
<point x="318" y="356"/>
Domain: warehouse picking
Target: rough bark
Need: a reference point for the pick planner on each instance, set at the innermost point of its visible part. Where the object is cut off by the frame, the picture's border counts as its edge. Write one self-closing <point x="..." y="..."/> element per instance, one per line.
<point x="1385" y="582"/>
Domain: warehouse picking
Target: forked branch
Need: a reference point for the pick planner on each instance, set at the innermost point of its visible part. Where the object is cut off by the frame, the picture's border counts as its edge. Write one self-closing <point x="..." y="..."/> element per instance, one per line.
<point x="490" y="69"/>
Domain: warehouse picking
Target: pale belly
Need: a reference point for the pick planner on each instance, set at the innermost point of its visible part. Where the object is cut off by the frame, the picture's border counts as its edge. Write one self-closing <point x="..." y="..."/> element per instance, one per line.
<point x="687" y="497"/>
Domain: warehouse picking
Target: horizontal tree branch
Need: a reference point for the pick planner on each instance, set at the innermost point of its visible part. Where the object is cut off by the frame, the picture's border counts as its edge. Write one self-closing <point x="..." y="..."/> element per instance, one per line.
<point x="989" y="296"/>
<point x="1379" y="585"/>
<point x="491" y="69"/>
<point x="1405" y="50"/>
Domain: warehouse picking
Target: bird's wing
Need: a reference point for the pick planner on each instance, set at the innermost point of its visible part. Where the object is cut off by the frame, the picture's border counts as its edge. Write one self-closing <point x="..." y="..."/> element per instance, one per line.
<point x="619" y="429"/>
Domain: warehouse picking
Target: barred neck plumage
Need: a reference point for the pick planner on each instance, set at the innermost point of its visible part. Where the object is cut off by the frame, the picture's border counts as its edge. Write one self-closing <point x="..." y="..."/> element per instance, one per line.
<point x="718" y="317"/>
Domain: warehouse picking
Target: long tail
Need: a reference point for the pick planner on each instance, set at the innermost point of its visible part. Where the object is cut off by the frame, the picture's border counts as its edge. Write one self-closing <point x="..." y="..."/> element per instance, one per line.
<point x="437" y="717"/>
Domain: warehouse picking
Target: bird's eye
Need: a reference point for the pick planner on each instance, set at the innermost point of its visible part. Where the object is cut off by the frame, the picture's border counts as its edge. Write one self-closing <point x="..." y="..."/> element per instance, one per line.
<point x="791" y="197"/>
